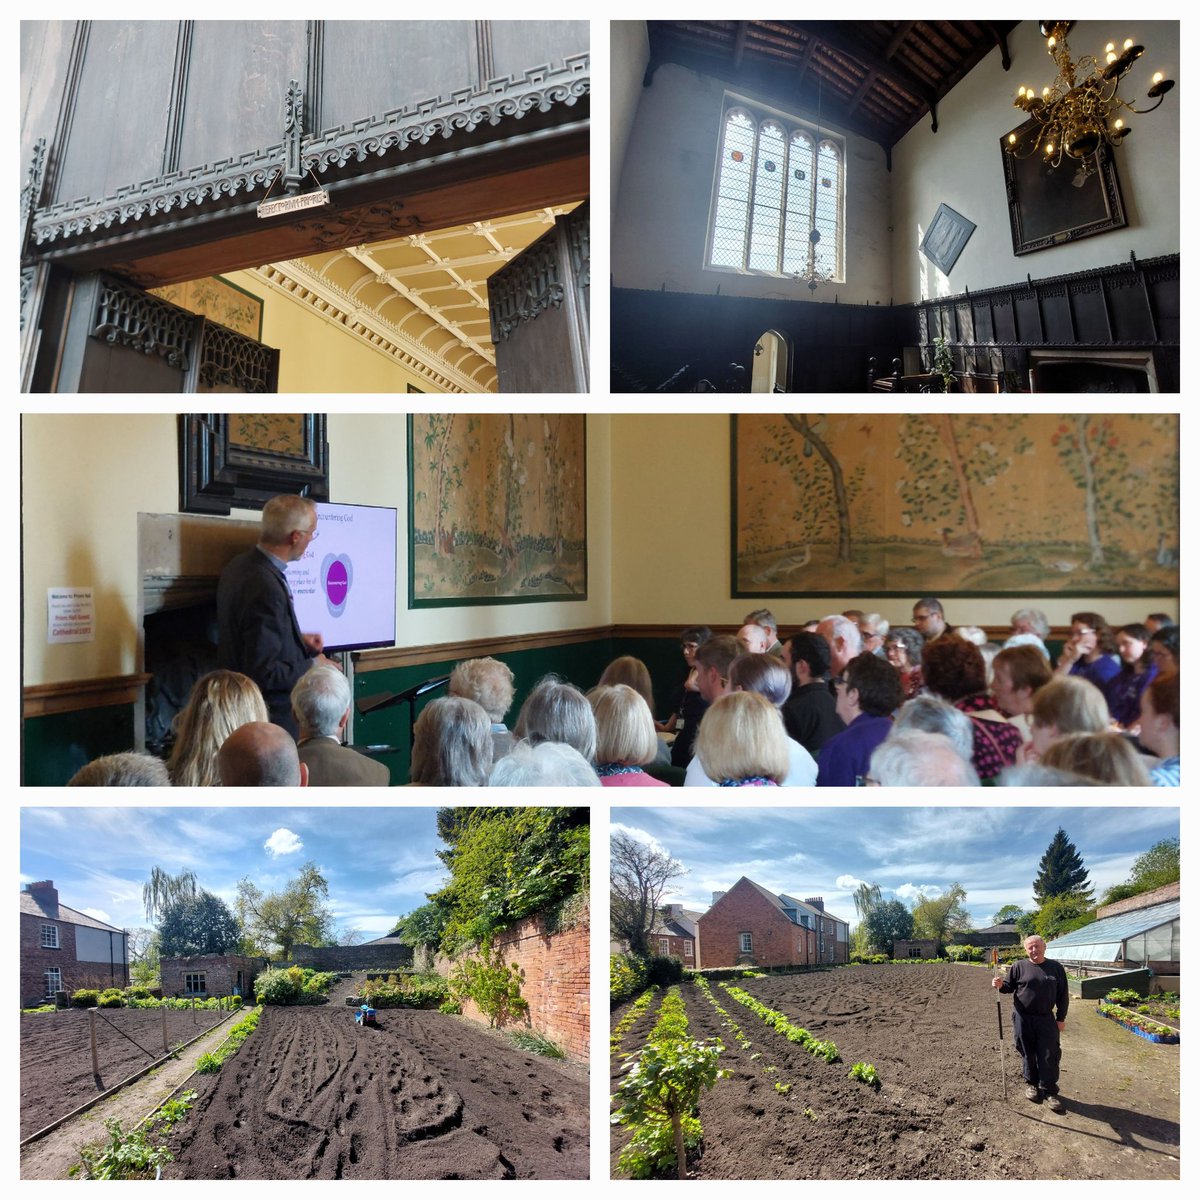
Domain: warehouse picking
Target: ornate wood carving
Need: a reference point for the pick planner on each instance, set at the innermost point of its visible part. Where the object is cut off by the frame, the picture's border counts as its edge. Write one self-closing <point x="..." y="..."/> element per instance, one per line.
<point x="127" y="316"/>
<point x="31" y="193"/>
<point x="527" y="286"/>
<point x="293" y="135"/>
<point x="230" y="359"/>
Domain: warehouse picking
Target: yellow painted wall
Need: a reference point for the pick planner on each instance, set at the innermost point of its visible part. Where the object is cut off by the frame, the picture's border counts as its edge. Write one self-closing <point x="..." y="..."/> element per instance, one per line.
<point x="86" y="477"/>
<point x="670" y="522"/>
<point x="318" y="356"/>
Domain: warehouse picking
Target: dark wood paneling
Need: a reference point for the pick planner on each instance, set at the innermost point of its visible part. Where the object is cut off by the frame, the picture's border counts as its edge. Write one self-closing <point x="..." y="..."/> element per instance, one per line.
<point x="238" y="76"/>
<point x="119" y="122"/>
<point x="520" y="44"/>
<point x="374" y="66"/>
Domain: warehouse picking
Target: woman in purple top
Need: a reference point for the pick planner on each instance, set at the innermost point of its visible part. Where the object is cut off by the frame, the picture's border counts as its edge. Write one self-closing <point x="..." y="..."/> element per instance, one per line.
<point x="866" y="699"/>
<point x="625" y="737"/>
<point x="742" y="743"/>
<point x="1124" y="690"/>
<point x="1090" y="650"/>
<point x="955" y="670"/>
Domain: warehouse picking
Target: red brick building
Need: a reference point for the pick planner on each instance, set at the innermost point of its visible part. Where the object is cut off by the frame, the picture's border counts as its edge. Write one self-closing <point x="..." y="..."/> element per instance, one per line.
<point x="750" y="926"/>
<point x="63" y="950"/>
<point x="675" y="934"/>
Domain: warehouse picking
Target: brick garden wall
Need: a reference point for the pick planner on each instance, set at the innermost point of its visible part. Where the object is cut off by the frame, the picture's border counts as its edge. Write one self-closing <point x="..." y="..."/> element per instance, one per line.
<point x="351" y="958"/>
<point x="1169" y="891"/>
<point x="556" y="979"/>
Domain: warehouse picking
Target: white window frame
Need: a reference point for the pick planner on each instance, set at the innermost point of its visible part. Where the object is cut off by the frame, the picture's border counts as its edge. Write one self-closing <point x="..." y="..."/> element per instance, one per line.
<point x="746" y="943"/>
<point x="189" y="987"/>
<point x="53" y="978"/>
<point x="759" y="115"/>
<point x="689" y="948"/>
<point x="664" y="946"/>
<point x="50" y="938"/>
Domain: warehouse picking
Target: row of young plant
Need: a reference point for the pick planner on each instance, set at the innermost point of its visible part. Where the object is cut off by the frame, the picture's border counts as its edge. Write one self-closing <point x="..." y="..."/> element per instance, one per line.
<point x="771" y="1069"/>
<point x="661" y="1090"/>
<point x="1116" y="1007"/>
<point x="425" y="990"/>
<point x="136" y="997"/>
<point x="623" y="1026"/>
<point x="629" y="974"/>
<point x="134" y="1155"/>
<point x="1162" y="1004"/>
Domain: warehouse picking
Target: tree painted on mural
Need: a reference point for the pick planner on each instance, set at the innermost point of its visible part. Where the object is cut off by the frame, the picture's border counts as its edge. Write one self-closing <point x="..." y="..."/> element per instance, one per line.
<point x="952" y="464"/>
<point x="1091" y="449"/>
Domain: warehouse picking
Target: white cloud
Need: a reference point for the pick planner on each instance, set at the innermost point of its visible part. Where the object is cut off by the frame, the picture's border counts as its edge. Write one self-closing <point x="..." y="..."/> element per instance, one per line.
<point x="849" y="882"/>
<point x="639" y="835"/>
<point x="281" y="842"/>
<point x="99" y="914"/>
<point x="909" y="891"/>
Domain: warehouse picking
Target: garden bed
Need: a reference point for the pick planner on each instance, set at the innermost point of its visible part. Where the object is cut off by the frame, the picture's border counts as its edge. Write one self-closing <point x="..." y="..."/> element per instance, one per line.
<point x="312" y="1095"/>
<point x="56" y="1057"/>
<point x="1137" y="1024"/>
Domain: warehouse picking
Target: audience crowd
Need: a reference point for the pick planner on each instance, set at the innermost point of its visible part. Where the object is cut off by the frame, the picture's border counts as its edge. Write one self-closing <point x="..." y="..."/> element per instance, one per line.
<point x="846" y="700"/>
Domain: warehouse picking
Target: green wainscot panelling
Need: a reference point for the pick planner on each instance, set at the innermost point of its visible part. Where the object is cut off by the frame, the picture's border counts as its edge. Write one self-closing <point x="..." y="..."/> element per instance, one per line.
<point x="664" y="660"/>
<point x="54" y="747"/>
<point x="581" y="663"/>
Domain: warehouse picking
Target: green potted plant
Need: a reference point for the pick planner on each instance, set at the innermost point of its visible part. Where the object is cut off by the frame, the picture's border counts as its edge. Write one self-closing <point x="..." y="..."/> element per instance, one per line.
<point x="943" y="362"/>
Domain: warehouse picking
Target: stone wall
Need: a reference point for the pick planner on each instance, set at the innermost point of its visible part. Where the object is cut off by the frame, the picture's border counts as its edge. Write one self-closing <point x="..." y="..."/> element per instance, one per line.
<point x="350" y="958"/>
<point x="556" y="979"/>
<point x="221" y="974"/>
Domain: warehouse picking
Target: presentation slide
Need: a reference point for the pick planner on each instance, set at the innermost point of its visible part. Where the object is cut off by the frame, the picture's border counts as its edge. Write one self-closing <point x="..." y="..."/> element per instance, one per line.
<point x="344" y="588"/>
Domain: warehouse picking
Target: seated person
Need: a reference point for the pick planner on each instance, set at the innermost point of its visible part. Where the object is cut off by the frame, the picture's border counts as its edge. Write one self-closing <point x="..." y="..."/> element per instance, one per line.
<point x="548" y="764"/>
<point x="688" y="705"/>
<point x="625" y="737"/>
<point x="1090" y="650"/>
<point x="220" y="702"/>
<point x="914" y="758"/>
<point x="130" y="768"/>
<point x="810" y="711"/>
<point x="931" y="714"/>
<point x="903" y="648"/>
<point x="634" y="673"/>
<point x="489" y="683"/>
<point x="260" y="755"/>
<point x="1018" y="672"/>
<point x="866" y="699"/>
<point x="452" y="744"/>
<point x="768" y="676"/>
<point x="1160" y="728"/>
<point x="1164" y="648"/>
<point x="955" y="671"/>
<point x="1067" y="704"/>
<point x="1123" y="692"/>
<point x="557" y="711"/>
<point x="742" y="743"/>
<point x="321" y="704"/>
<point x="1030" y="627"/>
<point x="1107" y="757"/>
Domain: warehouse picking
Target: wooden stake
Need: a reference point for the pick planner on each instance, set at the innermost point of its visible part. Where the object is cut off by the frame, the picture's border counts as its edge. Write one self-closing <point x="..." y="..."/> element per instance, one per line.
<point x="92" y="1033"/>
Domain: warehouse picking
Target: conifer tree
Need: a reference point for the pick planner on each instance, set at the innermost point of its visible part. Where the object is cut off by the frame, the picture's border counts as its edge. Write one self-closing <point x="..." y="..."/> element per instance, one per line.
<point x="1061" y="872"/>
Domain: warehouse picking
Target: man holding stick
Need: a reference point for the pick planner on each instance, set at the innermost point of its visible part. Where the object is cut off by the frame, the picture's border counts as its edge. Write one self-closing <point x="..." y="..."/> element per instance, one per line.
<point x="1040" y="999"/>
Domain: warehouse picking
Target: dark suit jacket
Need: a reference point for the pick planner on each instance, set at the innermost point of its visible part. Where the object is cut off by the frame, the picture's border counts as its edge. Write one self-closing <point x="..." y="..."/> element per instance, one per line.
<point x="331" y="765"/>
<point x="258" y="634"/>
<point x="810" y="716"/>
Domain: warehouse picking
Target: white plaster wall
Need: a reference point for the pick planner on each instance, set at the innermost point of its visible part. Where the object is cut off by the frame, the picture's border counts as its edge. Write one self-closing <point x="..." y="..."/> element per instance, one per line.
<point x="98" y="945"/>
<point x="630" y="49"/>
<point x="961" y="166"/>
<point x="85" y="477"/>
<point x="661" y="225"/>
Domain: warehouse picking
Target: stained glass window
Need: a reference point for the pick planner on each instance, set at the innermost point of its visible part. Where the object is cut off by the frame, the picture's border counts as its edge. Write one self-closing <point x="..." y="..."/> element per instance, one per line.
<point x="774" y="187"/>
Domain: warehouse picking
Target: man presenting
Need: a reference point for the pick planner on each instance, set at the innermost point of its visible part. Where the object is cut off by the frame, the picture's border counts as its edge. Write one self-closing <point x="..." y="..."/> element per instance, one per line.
<point x="257" y="630"/>
<point x="1040" y="999"/>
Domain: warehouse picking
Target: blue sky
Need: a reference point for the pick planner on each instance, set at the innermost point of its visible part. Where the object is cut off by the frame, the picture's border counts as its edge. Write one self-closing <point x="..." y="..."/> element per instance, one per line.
<point x="993" y="852"/>
<point x="379" y="862"/>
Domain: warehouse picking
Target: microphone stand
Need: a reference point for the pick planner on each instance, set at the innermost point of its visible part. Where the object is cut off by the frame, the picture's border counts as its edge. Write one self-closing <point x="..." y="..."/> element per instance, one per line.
<point x="382" y="700"/>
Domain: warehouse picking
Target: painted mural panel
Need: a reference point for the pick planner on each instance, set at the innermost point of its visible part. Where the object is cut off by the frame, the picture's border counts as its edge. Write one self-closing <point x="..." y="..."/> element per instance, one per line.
<point x="497" y="508"/>
<point x="920" y="503"/>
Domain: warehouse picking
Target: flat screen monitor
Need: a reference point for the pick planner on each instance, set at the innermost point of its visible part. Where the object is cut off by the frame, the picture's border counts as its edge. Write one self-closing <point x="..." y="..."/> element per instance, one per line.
<point x="344" y="587"/>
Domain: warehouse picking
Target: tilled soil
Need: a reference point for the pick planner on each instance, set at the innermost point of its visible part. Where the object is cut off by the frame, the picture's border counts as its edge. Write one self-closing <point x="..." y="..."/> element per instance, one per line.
<point x="56" y="1056"/>
<point x="931" y="1032"/>
<point x="311" y="1095"/>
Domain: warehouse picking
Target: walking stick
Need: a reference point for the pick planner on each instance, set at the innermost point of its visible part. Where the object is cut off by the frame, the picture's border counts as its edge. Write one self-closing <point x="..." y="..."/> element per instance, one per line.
<point x="1000" y="1024"/>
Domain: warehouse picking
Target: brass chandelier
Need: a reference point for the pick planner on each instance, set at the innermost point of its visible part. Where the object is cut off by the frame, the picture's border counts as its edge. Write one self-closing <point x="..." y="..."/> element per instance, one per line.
<point x="1082" y="108"/>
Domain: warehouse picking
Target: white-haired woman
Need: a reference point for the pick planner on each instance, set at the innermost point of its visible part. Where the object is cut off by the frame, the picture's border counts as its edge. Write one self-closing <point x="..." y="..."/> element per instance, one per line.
<point x="625" y="736"/>
<point x="742" y="742"/>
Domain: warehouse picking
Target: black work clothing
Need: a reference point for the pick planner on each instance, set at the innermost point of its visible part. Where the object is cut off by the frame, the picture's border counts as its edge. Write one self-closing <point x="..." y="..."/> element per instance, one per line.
<point x="1040" y="1000"/>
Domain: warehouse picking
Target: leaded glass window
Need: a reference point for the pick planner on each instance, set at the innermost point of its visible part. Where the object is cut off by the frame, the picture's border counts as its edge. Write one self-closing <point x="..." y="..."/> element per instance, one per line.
<point x="774" y="186"/>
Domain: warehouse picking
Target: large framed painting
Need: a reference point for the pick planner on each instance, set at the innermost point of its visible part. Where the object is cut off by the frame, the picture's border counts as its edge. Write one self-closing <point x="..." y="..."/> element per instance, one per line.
<point x="497" y="508"/>
<point x="241" y="460"/>
<point x="955" y="504"/>
<point x="1049" y="205"/>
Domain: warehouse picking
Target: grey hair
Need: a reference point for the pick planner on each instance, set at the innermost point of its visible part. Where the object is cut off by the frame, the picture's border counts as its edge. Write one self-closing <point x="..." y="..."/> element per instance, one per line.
<point x="547" y="764"/>
<point x="452" y="744"/>
<point x="487" y="681"/>
<point x="763" y="617"/>
<point x="843" y="627"/>
<point x="919" y="759"/>
<point x="127" y="769"/>
<point x="1034" y="617"/>
<point x="1038" y="775"/>
<point x="877" y="622"/>
<point x="320" y="700"/>
<point x="931" y="714"/>
<point x="764" y="674"/>
<point x="557" y="711"/>
<point x="910" y="639"/>
<point x="283" y="515"/>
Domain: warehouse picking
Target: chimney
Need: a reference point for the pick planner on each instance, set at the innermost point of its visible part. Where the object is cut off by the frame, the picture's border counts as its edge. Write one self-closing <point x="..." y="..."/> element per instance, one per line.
<point x="673" y="911"/>
<point x="815" y="902"/>
<point x="44" y="890"/>
<point x="717" y="896"/>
